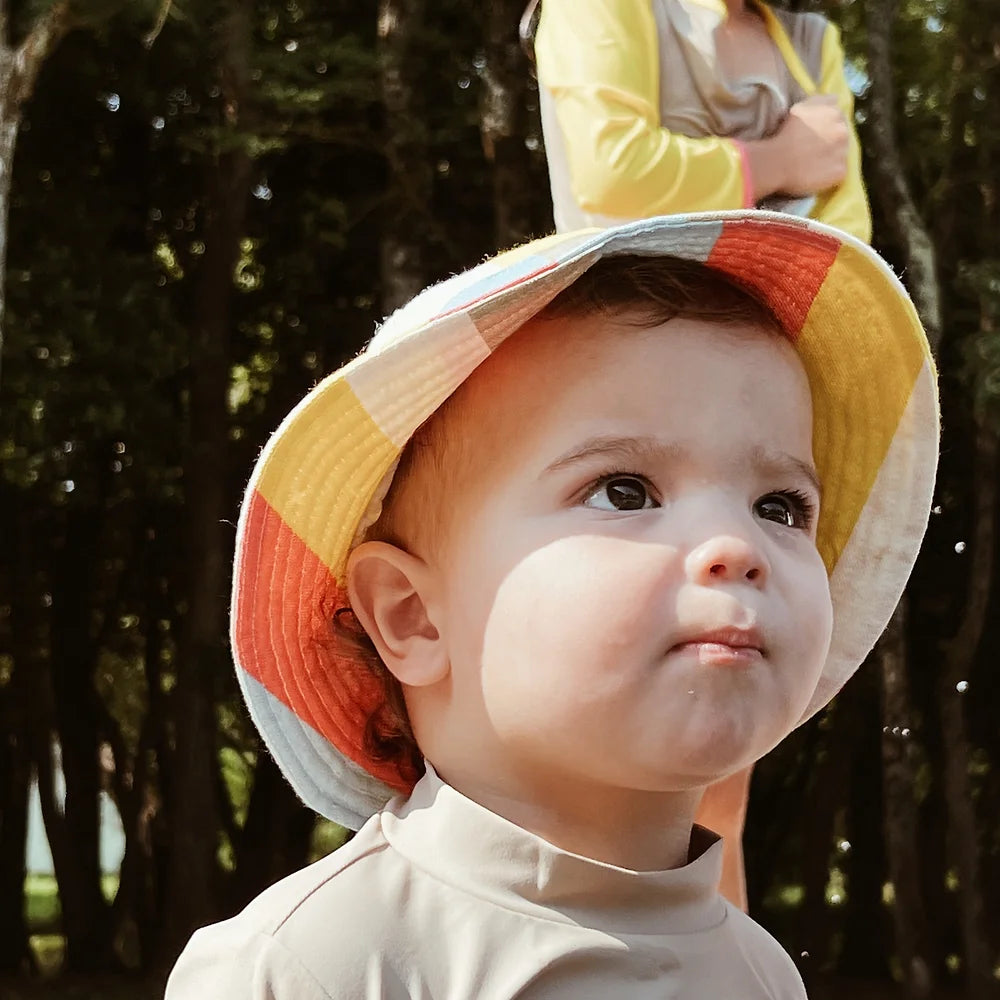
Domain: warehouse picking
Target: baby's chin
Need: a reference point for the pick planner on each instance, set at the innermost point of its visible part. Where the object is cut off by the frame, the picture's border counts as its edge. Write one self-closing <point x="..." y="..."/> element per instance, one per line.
<point x="703" y="757"/>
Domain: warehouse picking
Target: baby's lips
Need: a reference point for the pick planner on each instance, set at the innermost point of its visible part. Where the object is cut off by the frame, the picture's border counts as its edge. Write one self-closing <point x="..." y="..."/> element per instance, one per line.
<point x="734" y="636"/>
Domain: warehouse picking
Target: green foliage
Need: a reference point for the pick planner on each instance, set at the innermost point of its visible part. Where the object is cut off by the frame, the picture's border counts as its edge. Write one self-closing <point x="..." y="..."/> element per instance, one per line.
<point x="979" y="284"/>
<point x="327" y="837"/>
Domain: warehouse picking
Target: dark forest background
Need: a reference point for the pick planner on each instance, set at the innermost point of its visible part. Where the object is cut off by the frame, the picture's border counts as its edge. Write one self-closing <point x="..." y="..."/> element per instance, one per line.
<point x="207" y="204"/>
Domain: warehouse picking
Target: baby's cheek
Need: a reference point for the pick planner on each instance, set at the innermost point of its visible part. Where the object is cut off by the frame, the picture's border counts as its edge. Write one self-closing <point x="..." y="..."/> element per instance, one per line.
<point x="580" y="600"/>
<point x="814" y="615"/>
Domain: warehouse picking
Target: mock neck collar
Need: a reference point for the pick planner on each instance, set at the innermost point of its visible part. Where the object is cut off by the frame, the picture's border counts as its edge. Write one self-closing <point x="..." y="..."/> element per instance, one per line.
<point x="465" y="845"/>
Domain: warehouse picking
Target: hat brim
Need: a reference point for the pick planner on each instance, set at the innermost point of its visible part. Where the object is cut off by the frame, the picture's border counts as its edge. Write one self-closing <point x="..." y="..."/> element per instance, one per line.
<point x="320" y="479"/>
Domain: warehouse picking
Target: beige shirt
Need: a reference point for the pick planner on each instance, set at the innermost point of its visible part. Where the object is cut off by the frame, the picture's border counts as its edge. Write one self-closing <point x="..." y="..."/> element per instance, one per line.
<point x="436" y="897"/>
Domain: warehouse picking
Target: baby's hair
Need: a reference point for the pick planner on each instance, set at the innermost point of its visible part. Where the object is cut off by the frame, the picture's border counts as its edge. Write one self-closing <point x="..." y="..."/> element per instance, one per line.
<point x="648" y="290"/>
<point x="388" y="735"/>
<point x="657" y="289"/>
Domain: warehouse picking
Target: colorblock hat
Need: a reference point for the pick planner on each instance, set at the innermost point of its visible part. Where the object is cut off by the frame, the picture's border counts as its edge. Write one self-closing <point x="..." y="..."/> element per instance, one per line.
<point x="320" y="480"/>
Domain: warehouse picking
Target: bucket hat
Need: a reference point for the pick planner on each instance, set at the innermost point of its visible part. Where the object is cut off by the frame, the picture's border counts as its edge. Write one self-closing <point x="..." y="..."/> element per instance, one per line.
<point x="320" y="480"/>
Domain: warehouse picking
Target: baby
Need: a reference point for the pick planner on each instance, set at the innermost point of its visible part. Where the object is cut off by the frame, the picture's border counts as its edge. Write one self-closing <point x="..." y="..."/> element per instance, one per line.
<point x="582" y="532"/>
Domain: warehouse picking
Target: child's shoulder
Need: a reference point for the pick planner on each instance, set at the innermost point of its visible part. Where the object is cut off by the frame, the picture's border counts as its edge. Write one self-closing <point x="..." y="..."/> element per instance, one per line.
<point x="326" y="882"/>
<point x="315" y="927"/>
<point x="759" y="952"/>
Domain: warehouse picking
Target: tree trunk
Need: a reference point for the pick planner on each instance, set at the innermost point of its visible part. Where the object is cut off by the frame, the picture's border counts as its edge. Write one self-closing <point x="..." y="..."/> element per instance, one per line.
<point x="900" y="824"/>
<point x="815" y="929"/>
<point x="887" y="174"/>
<point x="864" y="954"/>
<point x="960" y="653"/>
<point x="86" y="916"/>
<point x="503" y="122"/>
<point x="19" y="68"/>
<point x="192" y="890"/>
<point x="274" y="841"/>
<point x="132" y="912"/>
<point x="403" y="251"/>
<point x="920" y="267"/>
<point x="157" y="810"/>
<point x="15" y="780"/>
<point x="16" y="718"/>
<point x="900" y="813"/>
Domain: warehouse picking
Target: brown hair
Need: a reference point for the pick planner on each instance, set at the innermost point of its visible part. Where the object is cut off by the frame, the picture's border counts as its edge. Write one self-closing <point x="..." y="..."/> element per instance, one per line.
<point x="650" y="289"/>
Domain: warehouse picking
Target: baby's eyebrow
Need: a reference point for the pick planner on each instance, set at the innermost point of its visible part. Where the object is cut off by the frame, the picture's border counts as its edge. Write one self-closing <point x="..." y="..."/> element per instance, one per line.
<point x="634" y="449"/>
<point x="643" y="448"/>
<point x="780" y="463"/>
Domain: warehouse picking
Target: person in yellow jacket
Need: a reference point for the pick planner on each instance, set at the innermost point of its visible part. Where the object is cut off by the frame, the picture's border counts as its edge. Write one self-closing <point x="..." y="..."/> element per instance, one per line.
<point x="653" y="107"/>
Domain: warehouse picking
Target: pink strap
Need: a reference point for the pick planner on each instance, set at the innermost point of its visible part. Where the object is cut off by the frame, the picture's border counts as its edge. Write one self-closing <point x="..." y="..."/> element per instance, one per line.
<point x="748" y="201"/>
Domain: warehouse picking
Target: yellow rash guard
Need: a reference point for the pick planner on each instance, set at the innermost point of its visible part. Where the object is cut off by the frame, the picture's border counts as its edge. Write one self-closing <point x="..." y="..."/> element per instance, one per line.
<point x="639" y="121"/>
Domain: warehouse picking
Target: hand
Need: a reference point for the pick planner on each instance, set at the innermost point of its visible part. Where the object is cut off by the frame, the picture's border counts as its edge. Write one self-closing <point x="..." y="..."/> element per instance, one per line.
<point x="813" y="141"/>
<point x="807" y="155"/>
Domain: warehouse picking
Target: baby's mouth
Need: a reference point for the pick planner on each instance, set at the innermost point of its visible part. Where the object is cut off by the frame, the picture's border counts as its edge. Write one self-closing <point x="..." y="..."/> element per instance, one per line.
<point x="729" y="646"/>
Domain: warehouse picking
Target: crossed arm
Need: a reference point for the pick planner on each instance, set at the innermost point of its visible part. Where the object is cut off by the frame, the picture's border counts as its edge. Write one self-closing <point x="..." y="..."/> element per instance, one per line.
<point x="599" y="59"/>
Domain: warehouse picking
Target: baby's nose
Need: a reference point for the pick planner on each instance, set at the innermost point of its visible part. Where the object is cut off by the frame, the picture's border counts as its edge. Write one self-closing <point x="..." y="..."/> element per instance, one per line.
<point x="727" y="559"/>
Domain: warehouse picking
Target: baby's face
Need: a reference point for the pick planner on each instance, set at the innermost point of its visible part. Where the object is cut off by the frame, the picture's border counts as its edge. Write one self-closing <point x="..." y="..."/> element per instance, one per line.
<point x="631" y="591"/>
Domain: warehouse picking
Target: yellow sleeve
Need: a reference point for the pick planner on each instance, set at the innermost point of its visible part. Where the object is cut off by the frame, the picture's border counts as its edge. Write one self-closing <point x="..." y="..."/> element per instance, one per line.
<point x="599" y="60"/>
<point x="846" y="206"/>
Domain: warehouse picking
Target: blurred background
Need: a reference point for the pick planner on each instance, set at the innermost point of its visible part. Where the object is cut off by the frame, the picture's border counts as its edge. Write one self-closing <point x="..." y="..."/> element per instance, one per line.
<point x="207" y="204"/>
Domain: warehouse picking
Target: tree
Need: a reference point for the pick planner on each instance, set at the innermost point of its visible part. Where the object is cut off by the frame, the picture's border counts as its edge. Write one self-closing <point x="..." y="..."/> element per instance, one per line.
<point x="19" y="68"/>
<point x="507" y="83"/>
<point x="192" y="878"/>
<point x="404" y="268"/>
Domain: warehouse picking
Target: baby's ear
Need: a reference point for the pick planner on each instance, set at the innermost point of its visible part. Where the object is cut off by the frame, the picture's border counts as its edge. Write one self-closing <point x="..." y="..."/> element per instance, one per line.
<point x="391" y="593"/>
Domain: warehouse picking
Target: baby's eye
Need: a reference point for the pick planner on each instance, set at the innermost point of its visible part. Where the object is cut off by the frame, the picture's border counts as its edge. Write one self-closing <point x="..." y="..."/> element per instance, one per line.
<point x="620" y="493"/>
<point x="791" y="508"/>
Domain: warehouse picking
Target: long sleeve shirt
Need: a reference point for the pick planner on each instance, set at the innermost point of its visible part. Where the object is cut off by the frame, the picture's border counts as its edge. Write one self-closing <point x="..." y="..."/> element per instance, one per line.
<point x="639" y="119"/>
<point x="437" y="897"/>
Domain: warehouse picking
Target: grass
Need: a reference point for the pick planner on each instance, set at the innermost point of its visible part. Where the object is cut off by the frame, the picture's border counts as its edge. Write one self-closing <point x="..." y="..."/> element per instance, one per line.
<point x="104" y="988"/>
<point x="42" y="901"/>
<point x="42" y="897"/>
<point x="43" y="914"/>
